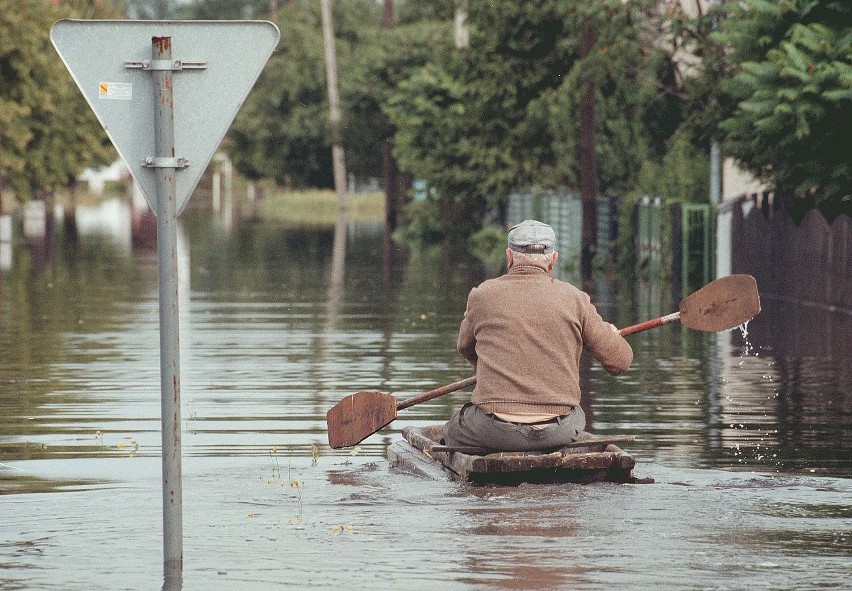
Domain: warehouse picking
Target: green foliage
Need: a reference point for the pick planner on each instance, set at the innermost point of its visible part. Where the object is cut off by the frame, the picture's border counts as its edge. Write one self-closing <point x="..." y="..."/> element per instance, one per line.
<point x="380" y="65"/>
<point x="489" y="244"/>
<point x="48" y="134"/>
<point x="682" y="175"/>
<point x="425" y="225"/>
<point x="420" y="11"/>
<point x="503" y="114"/>
<point x="792" y="91"/>
<point x="429" y="115"/>
<point x="282" y="130"/>
<point x="216" y="9"/>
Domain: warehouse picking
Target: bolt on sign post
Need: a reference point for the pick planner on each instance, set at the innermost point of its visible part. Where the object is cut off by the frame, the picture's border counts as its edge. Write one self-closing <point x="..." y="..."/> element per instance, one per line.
<point x="166" y="92"/>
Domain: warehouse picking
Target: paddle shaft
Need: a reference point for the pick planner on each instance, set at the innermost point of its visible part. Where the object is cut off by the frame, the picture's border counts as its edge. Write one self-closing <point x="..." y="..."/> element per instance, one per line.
<point x="438" y="392"/>
<point x="722" y="304"/>
<point x="654" y="323"/>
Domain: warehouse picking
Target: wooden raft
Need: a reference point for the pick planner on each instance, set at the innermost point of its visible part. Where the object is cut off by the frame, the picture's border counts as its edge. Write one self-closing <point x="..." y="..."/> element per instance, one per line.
<point x="590" y="459"/>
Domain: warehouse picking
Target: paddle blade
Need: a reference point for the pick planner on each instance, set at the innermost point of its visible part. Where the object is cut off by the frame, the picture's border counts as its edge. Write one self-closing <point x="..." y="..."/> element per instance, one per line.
<point x="358" y="416"/>
<point x="722" y="304"/>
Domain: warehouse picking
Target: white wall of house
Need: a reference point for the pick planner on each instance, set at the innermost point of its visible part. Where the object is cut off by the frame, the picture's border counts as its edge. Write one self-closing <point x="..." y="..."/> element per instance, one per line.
<point x="117" y="171"/>
<point x="737" y="182"/>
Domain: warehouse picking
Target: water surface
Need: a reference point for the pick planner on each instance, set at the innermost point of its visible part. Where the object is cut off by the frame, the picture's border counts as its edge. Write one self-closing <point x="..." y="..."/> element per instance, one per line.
<point x="747" y="438"/>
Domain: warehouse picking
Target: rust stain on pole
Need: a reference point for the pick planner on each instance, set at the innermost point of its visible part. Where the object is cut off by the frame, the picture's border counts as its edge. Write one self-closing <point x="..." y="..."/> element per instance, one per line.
<point x="162" y="43"/>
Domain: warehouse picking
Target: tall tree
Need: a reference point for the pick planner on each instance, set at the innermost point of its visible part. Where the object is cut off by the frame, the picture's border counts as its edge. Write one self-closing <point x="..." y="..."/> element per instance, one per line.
<point x="223" y="9"/>
<point x="51" y="135"/>
<point x="504" y="114"/>
<point x="792" y="81"/>
<point x="282" y="131"/>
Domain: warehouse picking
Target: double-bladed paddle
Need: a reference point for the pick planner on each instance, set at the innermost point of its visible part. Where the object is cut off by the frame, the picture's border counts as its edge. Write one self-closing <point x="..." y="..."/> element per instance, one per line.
<point x="722" y="304"/>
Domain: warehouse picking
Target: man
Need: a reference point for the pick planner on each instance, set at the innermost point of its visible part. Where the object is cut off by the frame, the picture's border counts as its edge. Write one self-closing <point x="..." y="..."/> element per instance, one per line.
<point x="523" y="333"/>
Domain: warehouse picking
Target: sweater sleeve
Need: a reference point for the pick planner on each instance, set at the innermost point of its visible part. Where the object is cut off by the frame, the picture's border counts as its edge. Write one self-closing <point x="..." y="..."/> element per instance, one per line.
<point x="604" y="343"/>
<point x="466" y="343"/>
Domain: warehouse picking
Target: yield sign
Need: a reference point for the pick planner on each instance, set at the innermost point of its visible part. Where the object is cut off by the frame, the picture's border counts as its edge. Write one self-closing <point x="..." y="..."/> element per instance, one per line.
<point x="214" y="65"/>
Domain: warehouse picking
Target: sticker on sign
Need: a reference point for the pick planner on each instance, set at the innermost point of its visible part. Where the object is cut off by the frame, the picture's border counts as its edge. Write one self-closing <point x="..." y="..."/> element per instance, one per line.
<point x="120" y="91"/>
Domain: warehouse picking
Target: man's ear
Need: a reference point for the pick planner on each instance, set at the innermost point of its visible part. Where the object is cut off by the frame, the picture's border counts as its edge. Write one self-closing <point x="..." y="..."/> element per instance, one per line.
<point x="510" y="258"/>
<point x="553" y="261"/>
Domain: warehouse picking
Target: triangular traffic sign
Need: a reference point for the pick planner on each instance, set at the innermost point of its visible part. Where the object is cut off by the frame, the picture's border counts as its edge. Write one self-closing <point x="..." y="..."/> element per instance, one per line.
<point x="217" y="64"/>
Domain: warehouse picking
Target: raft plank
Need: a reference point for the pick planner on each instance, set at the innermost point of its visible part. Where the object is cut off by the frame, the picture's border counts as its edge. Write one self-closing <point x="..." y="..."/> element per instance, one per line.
<point x="410" y="459"/>
<point x="591" y="459"/>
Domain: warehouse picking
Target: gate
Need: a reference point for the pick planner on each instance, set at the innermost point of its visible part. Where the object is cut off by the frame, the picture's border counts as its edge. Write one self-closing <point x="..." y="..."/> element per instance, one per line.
<point x="696" y="229"/>
<point x="649" y="235"/>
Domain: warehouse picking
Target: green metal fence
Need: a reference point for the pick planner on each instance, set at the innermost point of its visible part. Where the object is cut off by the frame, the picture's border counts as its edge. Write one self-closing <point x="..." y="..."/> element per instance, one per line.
<point x="691" y="247"/>
<point x="562" y="210"/>
<point x="649" y="234"/>
<point x="696" y="245"/>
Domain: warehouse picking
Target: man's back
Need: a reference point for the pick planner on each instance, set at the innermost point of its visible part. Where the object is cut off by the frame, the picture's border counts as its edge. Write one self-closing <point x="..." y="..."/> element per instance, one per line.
<point x="525" y="331"/>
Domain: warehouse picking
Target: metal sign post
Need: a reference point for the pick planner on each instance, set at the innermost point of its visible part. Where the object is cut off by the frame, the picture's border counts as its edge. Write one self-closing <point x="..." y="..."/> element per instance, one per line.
<point x="166" y="166"/>
<point x="189" y="115"/>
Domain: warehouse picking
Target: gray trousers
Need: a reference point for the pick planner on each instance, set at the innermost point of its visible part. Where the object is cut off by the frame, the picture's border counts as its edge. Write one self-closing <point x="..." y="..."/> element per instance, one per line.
<point x="471" y="426"/>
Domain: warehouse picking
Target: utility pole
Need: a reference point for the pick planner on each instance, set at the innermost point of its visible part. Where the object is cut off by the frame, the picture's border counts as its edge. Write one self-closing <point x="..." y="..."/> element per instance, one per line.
<point x="391" y="172"/>
<point x="715" y="166"/>
<point x="461" y="30"/>
<point x="715" y="146"/>
<point x="387" y="14"/>
<point x="588" y="160"/>
<point x="337" y="154"/>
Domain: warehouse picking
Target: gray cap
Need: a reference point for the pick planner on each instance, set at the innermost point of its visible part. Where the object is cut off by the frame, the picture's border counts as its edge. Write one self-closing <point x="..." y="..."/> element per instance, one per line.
<point x="531" y="236"/>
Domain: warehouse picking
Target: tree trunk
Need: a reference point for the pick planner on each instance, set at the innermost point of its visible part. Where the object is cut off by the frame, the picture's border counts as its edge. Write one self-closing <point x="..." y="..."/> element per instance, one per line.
<point x="588" y="161"/>
<point x="337" y="154"/>
<point x="391" y="182"/>
<point x="387" y="14"/>
<point x="391" y="170"/>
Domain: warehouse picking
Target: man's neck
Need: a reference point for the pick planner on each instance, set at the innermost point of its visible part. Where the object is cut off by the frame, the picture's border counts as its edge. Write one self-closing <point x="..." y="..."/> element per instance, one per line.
<point x="527" y="269"/>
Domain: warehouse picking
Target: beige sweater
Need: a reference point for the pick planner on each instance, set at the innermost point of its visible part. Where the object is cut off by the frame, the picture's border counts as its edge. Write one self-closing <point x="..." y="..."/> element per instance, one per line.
<point x="524" y="332"/>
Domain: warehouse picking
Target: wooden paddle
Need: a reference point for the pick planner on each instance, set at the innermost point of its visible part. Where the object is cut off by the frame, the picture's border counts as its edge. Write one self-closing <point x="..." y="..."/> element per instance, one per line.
<point x="722" y="304"/>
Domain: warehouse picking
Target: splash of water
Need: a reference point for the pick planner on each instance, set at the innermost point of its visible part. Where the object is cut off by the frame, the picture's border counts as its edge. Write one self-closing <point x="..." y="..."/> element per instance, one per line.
<point x="748" y="350"/>
<point x="763" y="449"/>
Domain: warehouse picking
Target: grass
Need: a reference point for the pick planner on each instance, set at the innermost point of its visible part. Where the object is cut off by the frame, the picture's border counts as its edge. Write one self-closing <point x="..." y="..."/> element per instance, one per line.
<point x="307" y="207"/>
<point x="318" y="207"/>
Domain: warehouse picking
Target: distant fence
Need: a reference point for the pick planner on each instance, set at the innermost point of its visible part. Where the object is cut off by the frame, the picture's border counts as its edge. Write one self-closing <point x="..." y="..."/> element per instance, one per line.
<point x="564" y="211"/>
<point x="809" y="261"/>
<point x="686" y="250"/>
<point x="649" y="234"/>
<point x="693" y="227"/>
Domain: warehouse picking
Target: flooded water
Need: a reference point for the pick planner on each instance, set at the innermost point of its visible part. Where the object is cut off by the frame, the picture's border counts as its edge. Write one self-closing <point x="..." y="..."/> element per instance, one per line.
<point x="748" y="438"/>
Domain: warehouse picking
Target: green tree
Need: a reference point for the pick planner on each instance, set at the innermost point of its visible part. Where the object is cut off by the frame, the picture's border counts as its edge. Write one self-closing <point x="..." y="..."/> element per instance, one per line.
<point x="282" y="132"/>
<point x="223" y="9"/>
<point x="504" y="113"/>
<point x="790" y="84"/>
<point x="49" y="135"/>
<point x="377" y="69"/>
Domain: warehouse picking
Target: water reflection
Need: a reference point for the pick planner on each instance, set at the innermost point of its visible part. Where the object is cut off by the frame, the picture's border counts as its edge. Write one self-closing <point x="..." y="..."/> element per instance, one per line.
<point x="519" y="564"/>
<point x="783" y="395"/>
<point x="270" y="341"/>
<point x="278" y="324"/>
